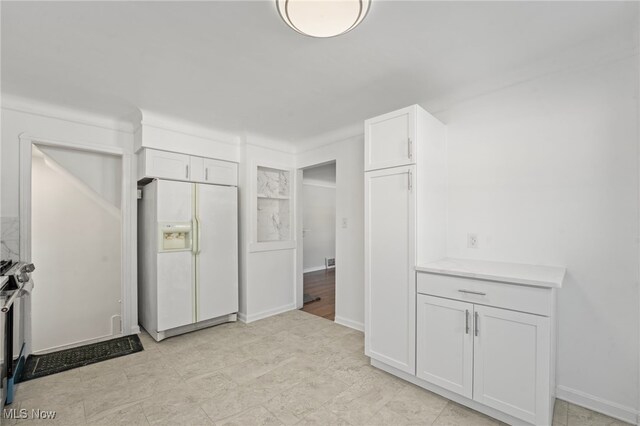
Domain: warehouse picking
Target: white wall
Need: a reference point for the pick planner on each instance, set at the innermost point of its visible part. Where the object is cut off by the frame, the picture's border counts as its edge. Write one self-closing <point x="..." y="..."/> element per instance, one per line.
<point x="319" y="225"/>
<point x="349" y="157"/>
<point x="101" y="173"/>
<point x="76" y="245"/>
<point x="547" y="172"/>
<point x="318" y="216"/>
<point x="166" y="133"/>
<point x="267" y="273"/>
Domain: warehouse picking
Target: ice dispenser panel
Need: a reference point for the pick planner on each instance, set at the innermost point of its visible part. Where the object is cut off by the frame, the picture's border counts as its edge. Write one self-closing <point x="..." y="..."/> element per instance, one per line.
<point x="175" y="236"/>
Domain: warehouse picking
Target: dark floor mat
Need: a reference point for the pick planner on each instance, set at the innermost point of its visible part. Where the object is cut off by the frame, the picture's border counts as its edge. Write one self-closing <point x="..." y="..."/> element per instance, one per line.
<point x="308" y="298"/>
<point x="67" y="359"/>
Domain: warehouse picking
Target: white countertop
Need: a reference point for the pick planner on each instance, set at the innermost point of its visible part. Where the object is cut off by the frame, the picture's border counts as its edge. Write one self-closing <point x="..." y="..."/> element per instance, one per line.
<point x="517" y="273"/>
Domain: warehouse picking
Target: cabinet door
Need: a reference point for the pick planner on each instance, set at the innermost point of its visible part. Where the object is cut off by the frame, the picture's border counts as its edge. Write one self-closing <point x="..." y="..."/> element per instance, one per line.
<point x="196" y="169"/>
<point x="445" y="343"/>
<point x="220" y="172"/>
<point x="511" y="363"/>
<point x="389" y="140"/>
<point x="389" y="260"/>
<point x="168" y="165"/>
<point x="217" y="259"/>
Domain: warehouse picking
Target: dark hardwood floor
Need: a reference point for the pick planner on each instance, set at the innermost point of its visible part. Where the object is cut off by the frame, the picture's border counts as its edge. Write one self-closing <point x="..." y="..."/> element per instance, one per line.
<point x="322" y="284"/>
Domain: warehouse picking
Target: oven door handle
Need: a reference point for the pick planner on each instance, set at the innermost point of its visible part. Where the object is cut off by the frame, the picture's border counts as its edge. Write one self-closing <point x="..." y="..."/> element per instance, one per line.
<point x="12" y="299"/>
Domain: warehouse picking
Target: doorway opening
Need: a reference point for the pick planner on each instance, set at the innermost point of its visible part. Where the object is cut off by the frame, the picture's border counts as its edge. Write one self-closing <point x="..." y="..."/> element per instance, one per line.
<point x="319" y="240"/>
<point x="76" y="243"/>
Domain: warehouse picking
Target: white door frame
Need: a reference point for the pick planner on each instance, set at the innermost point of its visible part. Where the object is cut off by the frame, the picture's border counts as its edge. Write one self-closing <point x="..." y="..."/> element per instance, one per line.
<point x="299" y="293"/>
<point x="128" y="288"/>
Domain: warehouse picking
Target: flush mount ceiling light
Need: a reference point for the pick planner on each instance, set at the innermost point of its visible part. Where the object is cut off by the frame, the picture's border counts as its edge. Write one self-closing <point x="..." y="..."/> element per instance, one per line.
<point x="323" y="18"/>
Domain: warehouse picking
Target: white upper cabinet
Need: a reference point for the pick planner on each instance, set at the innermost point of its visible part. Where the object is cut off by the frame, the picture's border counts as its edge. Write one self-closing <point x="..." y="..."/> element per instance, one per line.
<point x="220" y="172"/>
<point x="389" y="260"/>
<point x="196" y="169"/>
<point x="445" y="343"/>
<point x="512" y="363"/>
<point x="166" y="165"/>
<point x="390" y="139"/>
<point x="153" y="163"/>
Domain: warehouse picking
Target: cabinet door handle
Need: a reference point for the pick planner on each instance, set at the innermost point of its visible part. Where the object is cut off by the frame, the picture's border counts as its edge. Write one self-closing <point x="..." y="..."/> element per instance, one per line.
<point x="186" y="171"/>
<point x="466" y="321"/>
<point x="475" y="323"/>
<point x="479" y="293"/>
<point x="409" y="150"/>
<point x="410" y="175"/>
<point x="206" y="174"/>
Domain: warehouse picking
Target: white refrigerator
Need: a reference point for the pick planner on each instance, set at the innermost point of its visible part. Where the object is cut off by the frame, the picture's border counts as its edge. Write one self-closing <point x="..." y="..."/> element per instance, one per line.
<point x="187" y="256"/>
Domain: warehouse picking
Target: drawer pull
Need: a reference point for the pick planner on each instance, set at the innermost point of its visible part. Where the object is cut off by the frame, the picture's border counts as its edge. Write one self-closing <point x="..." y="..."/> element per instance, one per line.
<point x="473" y="292"/>
<point x="466" y="321"/>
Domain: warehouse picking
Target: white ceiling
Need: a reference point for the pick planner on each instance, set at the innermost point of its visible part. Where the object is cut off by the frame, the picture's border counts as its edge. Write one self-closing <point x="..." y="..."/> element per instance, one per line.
<point x="236" y="67"/>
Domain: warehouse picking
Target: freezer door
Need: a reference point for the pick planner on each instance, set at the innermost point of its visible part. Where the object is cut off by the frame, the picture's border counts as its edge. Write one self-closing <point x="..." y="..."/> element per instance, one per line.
<point x="176" y="298"/>
<point x="217" y="262"/>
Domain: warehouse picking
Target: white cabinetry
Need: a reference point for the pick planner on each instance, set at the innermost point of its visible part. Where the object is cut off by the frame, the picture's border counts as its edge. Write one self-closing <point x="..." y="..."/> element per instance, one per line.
<point x="220" y="172"/>
<point x="389" y="259"/>
<point x="165" y="165"/>
<point x="491" y="342"/>
<point x="512" y="352"/>
<point x="390" y="138"/>
<point x="497" y="357"/>
<point x="445" y="343"/>
<point x="153" y="163"/>
<point x="395" y="190"/>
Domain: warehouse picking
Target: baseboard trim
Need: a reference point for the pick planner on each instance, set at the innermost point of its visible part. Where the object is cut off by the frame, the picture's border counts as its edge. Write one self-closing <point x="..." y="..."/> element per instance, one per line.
<point x="77" y="344"/>
<point x="349" y="323"/>
<point x="266" y="313"/>
<point x="313" y="269"/>
<point x="598" y="404"/>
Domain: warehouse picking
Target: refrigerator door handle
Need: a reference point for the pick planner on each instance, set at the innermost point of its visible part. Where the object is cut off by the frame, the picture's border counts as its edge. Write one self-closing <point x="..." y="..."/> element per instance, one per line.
<point x="195" y="243"/>
<point x="198" y="233"/>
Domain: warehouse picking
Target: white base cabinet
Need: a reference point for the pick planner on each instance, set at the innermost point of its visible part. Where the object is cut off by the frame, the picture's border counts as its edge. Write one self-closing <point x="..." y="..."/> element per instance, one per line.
<point x="445" y="343"/>
<point x="495" y="356"/>
<point x="512" y="360"/>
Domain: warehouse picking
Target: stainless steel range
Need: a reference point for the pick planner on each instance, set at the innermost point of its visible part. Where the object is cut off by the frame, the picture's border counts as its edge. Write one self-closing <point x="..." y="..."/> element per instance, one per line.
<point x="14" y="292"/>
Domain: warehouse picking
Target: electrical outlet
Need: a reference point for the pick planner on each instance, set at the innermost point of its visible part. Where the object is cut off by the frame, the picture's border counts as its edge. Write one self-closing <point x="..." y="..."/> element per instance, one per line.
<point x="472" y="241"/>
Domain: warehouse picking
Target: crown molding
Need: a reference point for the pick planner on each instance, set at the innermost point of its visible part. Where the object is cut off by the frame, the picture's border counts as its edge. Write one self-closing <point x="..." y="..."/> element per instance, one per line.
<point x="254" y="139"/>
<point x="172" y="124"/>
<point x="58" y="112"/>
<point x="344" y="133"/>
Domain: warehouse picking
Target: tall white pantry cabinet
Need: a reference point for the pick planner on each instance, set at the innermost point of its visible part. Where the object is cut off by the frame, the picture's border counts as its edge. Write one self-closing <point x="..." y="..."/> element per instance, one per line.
<point x="398" y="146"/>
<point x="485" y="341"/>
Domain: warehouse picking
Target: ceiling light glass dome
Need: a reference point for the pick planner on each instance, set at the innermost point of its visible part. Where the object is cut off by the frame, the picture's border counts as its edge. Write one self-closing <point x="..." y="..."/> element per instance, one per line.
<point x="323" y="18"/>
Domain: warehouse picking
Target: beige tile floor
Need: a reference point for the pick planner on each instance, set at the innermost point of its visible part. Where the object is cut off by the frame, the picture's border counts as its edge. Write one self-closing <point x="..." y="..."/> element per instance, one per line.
<point x="293" y="368"/>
